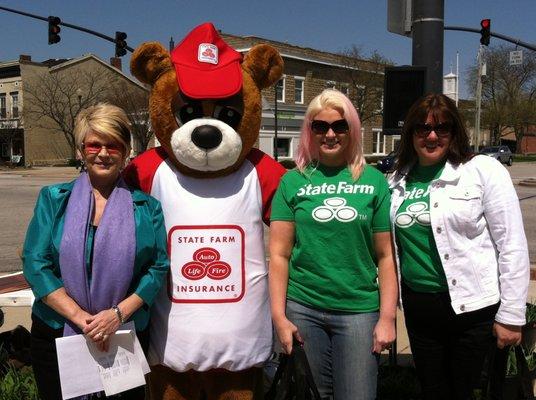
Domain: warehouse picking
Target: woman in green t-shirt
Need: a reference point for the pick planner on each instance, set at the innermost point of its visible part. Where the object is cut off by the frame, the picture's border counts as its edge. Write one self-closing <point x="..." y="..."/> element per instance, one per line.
<point x="461" y="248"/>
<point x="332" y="273"/>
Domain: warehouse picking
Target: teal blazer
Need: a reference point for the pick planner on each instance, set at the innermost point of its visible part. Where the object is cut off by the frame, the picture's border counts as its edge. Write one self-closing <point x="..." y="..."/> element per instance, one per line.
<point x="41" y="251"/>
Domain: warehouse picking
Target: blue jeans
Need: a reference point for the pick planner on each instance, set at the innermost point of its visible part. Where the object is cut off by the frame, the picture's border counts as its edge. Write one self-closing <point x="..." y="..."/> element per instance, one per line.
<point x="338" y="346"/>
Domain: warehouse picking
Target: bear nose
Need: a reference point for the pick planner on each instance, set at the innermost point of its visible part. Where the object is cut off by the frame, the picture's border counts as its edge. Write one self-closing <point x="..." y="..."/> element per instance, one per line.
<point x="206" y="136"/>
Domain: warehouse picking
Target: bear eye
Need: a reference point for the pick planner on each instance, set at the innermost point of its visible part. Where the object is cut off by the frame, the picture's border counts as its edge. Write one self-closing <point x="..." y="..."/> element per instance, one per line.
<point x="228" y="115"/>
<point x="188" y="112"/>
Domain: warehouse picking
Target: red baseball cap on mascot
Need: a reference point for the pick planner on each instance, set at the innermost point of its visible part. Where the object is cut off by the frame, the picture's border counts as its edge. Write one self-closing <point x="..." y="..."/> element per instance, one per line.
<point x="206" y="66"/>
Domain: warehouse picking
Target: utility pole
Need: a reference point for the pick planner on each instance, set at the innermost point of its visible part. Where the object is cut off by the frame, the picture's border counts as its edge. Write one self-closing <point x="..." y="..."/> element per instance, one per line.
<point x="427" y="46"/>
<point x="478" y="99"/>
<point x="276" y="91"/>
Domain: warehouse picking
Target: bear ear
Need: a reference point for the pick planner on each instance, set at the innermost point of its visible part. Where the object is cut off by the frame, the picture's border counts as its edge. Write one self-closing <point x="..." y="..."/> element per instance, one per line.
<point x="264" y="64"/>
<point x="149" y="61"/>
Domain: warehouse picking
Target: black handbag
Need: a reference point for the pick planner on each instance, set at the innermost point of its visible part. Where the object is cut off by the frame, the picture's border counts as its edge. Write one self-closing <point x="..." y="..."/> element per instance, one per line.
<point x="498" y="386"/>
<point x="293" y="379"/>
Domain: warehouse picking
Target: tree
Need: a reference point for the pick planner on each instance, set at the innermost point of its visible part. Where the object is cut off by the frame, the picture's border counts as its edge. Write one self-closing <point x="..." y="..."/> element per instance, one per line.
<point x="508" y="93"/>
<point x="366" y="76"/>
<point x="135" y="102"/>
<point x="58" y="96"/>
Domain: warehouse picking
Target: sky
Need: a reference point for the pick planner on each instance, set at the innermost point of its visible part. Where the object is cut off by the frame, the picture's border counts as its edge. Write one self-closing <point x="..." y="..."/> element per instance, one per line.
<point x="333" y="26"/>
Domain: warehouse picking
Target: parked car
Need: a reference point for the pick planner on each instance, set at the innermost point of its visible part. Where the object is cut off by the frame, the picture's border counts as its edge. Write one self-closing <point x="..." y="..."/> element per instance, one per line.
<point x="501" y="153"/>
<point x="387" y="163"/>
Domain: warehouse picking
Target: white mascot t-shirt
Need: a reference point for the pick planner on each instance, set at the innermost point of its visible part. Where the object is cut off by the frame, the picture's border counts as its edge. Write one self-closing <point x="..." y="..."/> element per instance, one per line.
<point x="214" y="311"/>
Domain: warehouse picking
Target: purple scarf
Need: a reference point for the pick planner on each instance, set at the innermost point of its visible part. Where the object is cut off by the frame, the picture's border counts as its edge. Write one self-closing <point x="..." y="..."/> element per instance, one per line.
<point x="114" y="249"/>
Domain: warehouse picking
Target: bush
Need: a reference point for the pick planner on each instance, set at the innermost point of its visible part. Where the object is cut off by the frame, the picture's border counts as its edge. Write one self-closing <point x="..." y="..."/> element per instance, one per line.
<point x="18" y="384"/>
<point x="524" y="158"/>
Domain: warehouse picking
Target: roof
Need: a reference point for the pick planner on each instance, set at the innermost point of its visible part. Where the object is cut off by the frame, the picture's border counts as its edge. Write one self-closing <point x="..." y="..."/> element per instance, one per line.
<point x="89" y="56"/>
<point x="12" y="68"/>
<point x="245" y="43"/>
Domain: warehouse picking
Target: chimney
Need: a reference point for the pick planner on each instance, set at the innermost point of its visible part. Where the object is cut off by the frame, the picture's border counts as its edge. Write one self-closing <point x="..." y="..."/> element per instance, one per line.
<point x="116" y="63"/>
<point x="25" y="58"/>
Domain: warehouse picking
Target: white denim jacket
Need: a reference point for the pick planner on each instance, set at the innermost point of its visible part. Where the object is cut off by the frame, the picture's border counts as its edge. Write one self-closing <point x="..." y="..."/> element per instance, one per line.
<point x="478" y="230"/>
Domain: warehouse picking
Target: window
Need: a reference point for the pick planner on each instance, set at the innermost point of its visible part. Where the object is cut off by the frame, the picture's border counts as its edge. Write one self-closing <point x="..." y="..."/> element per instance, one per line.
<point x="282" y="147"/>
<point x="280" y="90"/>
<point x="396" y="142"/>
<point x="298" y="89"/>
<point x="3" y="110"/>
<point x="378" y="142"/>
<point x="15" y="104"/>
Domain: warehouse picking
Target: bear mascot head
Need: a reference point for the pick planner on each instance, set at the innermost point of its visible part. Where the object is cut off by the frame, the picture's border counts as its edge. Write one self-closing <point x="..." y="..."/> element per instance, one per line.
<point x="211" y="329"/>
<point x="205" y="103"/>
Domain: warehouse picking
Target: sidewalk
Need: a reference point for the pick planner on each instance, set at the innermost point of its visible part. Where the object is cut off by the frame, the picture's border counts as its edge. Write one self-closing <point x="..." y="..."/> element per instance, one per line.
<point x="45" y="172"/>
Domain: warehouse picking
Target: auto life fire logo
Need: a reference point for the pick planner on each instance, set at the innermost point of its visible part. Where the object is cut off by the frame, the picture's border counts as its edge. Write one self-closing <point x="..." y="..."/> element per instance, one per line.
<point x="334" y="207"/>
<point x="206" y="262"/>
<point x="415" y="213"/>
<point x="207" y="53"/>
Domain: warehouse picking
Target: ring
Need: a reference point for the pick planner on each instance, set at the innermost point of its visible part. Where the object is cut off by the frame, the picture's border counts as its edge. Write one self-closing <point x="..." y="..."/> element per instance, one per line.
<point x="100" y="334"/>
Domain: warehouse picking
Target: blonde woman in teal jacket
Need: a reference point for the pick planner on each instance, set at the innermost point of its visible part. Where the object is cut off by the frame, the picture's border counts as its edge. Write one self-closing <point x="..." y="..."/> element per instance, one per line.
<point x="95" y="253"/>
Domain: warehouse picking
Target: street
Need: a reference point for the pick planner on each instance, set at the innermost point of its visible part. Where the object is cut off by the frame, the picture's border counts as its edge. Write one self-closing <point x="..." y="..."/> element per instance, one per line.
<point x="19" y="190"/>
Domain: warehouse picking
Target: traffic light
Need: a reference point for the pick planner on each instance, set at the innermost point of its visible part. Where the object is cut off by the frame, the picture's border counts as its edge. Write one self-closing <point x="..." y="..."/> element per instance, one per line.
<point x="54" y="29"/>
<point x="120" y="44"/>
<point x="485" y="32"/>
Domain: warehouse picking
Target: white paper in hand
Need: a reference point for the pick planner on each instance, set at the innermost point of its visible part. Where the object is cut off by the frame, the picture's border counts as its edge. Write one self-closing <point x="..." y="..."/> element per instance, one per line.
<point x="119" y="368"/>
<point x="84" y="369"/>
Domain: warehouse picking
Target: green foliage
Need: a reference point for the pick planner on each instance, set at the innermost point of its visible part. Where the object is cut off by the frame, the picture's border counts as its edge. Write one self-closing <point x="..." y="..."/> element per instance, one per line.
<point x="530" y="314"/>
<point x="530" y="353"/>
<point x="524" y="158"/>
<point x="18" y="384"/>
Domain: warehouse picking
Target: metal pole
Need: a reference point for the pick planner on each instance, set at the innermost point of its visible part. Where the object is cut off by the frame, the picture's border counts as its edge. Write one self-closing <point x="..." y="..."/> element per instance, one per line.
<point x="427" y="46"/>
<point x="275" y="123"/>
<point x="510" y="39"/>
<point x="457" y="78"/>
<point x="72" y="26"/>
<point x="478" y="98"/>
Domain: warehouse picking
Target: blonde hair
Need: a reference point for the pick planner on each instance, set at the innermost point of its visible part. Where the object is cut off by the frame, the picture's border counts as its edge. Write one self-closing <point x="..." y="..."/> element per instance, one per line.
<point x="307" y="149"/>
<point x="105" y="120"/>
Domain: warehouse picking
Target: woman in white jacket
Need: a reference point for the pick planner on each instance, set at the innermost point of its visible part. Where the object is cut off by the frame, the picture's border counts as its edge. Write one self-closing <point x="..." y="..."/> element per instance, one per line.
<point x="461" y="249"/>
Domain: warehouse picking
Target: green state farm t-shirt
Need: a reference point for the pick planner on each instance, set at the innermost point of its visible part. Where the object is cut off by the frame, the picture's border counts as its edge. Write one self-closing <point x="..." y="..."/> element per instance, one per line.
<point x="420" y="264"/>
<point x="333" y="262"/>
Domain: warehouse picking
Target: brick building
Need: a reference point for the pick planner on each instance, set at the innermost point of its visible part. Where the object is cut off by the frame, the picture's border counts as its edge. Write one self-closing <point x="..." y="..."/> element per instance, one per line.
<point x="26" y="132"/>
<point x="306" y="73"/>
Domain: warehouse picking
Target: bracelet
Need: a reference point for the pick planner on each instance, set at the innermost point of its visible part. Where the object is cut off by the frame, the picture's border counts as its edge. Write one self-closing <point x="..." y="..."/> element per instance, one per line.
<point x="119" y="314"/>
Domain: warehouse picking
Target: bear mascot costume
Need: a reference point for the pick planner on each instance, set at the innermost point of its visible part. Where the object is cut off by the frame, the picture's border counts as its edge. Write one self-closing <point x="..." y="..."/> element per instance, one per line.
<point x="211" y="329"/>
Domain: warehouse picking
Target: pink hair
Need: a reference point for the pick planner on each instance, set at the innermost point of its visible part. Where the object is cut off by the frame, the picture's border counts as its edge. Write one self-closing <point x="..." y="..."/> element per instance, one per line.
<point x="307" y="148"/>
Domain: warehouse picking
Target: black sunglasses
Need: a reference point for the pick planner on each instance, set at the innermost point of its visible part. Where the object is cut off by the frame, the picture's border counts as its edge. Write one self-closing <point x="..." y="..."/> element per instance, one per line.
<point x="320" y="127"/>
<point x="442" y="130"/>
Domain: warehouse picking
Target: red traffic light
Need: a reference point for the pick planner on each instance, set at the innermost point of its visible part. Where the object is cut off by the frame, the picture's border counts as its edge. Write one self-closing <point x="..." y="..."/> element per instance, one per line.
<point x="485" y="32"/>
